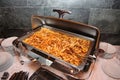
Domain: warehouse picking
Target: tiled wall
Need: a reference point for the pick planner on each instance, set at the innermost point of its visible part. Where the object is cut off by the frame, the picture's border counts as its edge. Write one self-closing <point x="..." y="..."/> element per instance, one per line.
<point x="104" y="14"/>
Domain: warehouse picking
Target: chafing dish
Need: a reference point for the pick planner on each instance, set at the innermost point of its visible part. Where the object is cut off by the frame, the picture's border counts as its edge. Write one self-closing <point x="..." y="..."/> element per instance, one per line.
<point x="68" y="27"/>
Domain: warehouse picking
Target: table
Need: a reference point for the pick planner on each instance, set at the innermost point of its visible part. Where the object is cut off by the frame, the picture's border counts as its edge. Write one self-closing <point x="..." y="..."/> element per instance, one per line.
<point x="31" y="67"/>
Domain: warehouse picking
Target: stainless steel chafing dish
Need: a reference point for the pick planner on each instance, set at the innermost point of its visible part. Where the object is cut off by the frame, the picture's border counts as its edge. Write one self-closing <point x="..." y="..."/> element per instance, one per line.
<point x="65" y="26"/>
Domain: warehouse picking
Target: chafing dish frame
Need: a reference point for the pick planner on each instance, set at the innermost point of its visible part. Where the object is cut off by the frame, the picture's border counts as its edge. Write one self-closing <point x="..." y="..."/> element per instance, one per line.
<point x="66" y="25"/>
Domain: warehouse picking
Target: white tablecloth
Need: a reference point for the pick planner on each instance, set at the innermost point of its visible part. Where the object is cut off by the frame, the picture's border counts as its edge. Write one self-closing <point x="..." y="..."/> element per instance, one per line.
<point x="31" y="67"/>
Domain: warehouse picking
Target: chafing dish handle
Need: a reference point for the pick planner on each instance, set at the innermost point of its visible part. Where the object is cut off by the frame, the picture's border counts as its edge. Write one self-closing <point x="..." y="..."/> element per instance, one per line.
<point x="63" y="76"/>
<point x="54" y="72"/>
<point x="57" y="64"/>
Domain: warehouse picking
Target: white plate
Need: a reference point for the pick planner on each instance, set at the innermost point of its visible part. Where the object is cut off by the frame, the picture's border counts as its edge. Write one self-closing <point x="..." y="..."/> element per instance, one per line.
<point x="6" y="60"/>
<point x="109" y="50"/>
<point x="7" y="44"/>
<point x="111" y="68"/>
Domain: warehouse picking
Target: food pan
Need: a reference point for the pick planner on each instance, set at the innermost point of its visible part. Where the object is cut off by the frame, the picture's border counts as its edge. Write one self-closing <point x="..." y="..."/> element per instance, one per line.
<point x="65" y="27"/>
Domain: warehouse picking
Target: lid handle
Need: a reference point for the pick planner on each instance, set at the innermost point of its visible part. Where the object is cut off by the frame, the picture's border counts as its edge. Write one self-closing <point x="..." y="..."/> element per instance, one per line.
<point x="61" y="13"/>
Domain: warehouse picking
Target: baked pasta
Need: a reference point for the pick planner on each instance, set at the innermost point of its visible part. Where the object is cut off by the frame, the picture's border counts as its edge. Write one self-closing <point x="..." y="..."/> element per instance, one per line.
<point x="69" y="48"/>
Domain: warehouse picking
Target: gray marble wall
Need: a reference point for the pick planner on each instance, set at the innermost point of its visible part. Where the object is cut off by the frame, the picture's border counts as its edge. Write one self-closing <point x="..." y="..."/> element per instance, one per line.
<point x="104" y="14"/>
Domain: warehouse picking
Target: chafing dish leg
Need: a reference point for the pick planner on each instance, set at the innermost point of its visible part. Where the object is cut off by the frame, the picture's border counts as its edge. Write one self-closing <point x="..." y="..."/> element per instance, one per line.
<point x="20" y="58"/>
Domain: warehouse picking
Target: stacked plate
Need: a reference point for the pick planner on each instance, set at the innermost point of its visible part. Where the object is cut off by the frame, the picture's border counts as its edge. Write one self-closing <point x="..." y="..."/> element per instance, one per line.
<point x="6" y="53"/>
<point x="111" y="66"/>
<point x="6" y="60"/>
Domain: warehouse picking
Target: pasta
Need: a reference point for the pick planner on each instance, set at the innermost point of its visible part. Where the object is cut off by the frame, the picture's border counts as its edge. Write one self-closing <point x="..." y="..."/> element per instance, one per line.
<point x="69" y="48"/>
